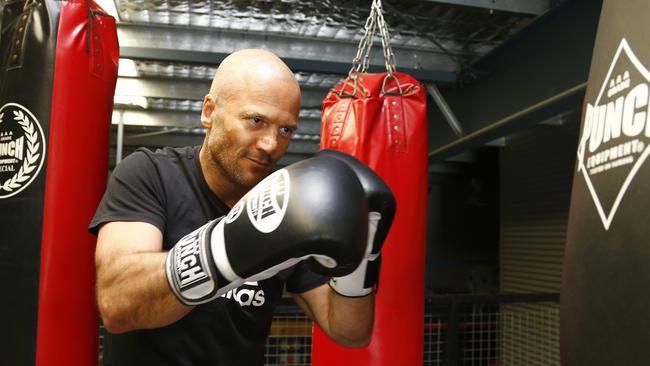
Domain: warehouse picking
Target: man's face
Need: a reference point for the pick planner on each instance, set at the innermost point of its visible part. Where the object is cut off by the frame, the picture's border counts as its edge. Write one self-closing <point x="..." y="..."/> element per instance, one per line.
<point x="251" y="131"/>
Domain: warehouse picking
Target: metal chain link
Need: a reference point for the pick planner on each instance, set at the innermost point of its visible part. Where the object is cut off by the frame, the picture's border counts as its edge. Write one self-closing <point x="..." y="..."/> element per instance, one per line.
<point x="361" y="61"/>
<point x="375" y="20"/>
<point x="368" y="44"/>
<point x="389" y="56"/>
<point x="365" y="44"/>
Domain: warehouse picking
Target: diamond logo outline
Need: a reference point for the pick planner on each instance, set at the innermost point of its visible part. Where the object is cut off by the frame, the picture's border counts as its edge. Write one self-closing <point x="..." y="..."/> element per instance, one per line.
<point x="608" y="218"/>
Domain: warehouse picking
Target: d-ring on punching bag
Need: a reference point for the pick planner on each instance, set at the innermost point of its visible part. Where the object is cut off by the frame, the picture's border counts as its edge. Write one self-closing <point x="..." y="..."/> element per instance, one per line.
<point x="381" y="120"/>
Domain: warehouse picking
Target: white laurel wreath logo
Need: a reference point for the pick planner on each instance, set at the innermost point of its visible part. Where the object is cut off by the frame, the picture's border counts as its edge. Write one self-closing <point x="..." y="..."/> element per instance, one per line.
<point x="31" y="157"/>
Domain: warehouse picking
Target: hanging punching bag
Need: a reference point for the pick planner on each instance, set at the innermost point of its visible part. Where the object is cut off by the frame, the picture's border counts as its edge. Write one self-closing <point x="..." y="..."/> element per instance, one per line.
<point x="381" y="120"/>
<point x="605" y="297"/>
<point x="58" y="67"/>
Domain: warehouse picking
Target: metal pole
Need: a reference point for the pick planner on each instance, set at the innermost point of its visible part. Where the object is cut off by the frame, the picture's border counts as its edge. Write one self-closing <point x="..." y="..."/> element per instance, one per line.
<point x="446" y="110"/>
<point x="452" y="347"/>
<point x="120" y="139"/>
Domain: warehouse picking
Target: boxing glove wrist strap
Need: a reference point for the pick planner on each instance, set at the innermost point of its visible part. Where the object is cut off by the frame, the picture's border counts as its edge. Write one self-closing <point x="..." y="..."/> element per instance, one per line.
<point x="198" y="269"/>
<point x="192" y="272"/>
<point x="363" y="280"/>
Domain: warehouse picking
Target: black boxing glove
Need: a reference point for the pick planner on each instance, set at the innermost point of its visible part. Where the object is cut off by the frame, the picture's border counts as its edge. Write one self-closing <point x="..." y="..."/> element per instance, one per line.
<point x="381" y="211"/>
<point x="312" y="209"/>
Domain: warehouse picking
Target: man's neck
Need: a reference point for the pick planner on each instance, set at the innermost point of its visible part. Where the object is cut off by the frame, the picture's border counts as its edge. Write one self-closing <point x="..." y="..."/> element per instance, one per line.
<point x="227" y="191"/>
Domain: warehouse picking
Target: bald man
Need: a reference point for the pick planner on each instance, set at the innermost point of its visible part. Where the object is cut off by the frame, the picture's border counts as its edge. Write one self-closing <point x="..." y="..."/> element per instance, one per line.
<point x="155" y="198"/>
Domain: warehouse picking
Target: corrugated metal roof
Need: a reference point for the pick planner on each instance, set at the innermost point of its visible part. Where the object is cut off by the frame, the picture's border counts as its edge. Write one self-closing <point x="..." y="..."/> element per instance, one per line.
<point x="465" y="32"/>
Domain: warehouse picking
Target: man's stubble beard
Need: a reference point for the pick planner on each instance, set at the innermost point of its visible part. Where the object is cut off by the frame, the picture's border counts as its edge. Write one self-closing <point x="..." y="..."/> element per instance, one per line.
<point x="220" y="148"/>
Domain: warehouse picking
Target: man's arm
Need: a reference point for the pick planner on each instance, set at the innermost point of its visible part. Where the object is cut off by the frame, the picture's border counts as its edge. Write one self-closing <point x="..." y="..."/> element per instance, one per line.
<point x="348" y="321"/>
<point x="132" y="288"/>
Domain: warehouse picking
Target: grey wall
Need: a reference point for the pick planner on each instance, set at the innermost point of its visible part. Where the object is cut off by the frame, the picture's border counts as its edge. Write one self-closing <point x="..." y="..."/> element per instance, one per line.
<point x="536" y="175"/>
<point x="462" y="237"/>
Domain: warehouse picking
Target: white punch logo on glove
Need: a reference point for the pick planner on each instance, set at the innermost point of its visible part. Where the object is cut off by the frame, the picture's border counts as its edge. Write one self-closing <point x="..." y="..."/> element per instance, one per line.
<point x="187" y="267"/>
<point x="267" y="203"/>
<point x="188" y="262"/>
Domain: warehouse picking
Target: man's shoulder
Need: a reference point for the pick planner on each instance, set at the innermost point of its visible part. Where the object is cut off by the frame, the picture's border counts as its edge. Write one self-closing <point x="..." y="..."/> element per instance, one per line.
<point x="168" y="153"/>
<point x="161" y="158"/>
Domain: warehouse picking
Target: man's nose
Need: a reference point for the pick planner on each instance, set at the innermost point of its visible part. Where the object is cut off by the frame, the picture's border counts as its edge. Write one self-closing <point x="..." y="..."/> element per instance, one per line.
<point x="268" y="142"/>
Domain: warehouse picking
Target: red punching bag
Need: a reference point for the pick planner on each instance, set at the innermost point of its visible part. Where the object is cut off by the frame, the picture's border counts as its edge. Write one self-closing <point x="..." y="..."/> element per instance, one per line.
<point x="58" y="67"/>
<point x="381" y="120"/>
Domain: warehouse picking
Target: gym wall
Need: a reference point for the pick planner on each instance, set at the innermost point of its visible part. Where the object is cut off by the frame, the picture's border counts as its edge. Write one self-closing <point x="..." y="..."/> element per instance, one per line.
<point x="536" y="174"/>
<point x="463" y="225"/>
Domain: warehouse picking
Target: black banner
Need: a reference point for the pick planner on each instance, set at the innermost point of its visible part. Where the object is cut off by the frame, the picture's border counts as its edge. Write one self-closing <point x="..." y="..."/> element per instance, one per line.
<point x="604" y="300"/>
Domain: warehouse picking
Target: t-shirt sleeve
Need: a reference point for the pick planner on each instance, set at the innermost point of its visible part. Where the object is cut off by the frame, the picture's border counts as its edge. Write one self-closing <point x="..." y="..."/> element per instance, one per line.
<point x="134" y="193"/>
<point x="302" y="279"/>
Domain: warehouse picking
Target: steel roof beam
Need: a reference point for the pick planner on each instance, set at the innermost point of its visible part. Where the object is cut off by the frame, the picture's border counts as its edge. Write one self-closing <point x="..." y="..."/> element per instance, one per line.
<point x="534" y="76"/>
<point x="312" y="97"/>
<point x="190" y="119"/>
<point x="162" y="88"/>
<point x="172" y="137"/>
<point x="209" y="46"/>
<point x="535" y="7"/>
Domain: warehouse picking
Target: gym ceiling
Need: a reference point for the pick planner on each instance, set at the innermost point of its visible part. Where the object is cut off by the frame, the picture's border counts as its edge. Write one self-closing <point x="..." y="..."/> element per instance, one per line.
<point x="494" y="66"/>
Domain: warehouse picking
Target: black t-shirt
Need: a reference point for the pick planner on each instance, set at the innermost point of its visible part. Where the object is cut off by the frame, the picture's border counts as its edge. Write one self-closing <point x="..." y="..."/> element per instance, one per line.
<point x="167" y="189"/>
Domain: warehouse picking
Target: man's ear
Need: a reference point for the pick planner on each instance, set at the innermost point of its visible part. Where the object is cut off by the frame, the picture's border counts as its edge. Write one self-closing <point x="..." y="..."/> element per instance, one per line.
<point x="207" y="109"/>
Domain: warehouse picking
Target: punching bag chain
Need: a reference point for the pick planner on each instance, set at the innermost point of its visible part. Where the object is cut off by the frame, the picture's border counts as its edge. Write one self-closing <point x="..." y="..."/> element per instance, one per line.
<point x="389" y="56"/>
<point x="361" y="61"/>
<point x="375" y="20"/>
<point x="362" y="58"/>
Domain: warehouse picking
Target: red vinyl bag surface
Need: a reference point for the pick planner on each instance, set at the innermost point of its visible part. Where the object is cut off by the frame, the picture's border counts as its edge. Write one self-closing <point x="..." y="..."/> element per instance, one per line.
<point x="58" y="67"/>
<point x="85" y="72"/>
<point x="381" y="120"/>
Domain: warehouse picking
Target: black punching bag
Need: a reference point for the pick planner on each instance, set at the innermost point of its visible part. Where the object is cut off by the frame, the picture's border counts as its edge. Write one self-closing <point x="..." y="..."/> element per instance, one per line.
<point x="605" y="299"/>
<point x="58" y="65"/>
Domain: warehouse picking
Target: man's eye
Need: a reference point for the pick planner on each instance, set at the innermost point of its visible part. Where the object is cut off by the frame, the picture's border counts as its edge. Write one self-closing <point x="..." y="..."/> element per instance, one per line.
<point x="286" y="131"/>
<point x="255" y="120"/>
